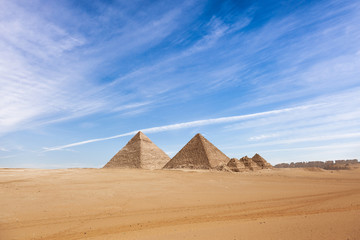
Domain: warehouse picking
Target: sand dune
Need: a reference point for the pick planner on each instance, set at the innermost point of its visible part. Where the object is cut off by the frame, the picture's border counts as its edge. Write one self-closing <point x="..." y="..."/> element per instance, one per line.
<point x="172" y="204"/>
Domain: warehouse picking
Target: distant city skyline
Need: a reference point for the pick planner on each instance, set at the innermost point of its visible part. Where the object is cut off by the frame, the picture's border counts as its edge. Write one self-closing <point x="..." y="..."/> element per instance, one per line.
<point x="80" y="78"/>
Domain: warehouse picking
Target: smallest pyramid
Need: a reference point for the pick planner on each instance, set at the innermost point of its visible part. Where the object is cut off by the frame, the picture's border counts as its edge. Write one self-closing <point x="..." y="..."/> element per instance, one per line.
<point x="249" y="163"/>
<point x="236" y="166"/>
<point x="261" y="162"/>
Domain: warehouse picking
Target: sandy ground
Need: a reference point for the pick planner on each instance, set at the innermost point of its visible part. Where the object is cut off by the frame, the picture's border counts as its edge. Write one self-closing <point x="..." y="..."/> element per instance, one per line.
<point x="139" y="204"/>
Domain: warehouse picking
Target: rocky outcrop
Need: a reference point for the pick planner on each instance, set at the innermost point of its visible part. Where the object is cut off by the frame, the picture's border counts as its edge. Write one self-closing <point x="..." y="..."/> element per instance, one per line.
<point x="328" y="165"/>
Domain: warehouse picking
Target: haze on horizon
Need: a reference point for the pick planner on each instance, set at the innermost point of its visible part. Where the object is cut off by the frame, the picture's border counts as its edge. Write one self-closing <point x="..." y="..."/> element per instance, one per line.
<point x="79" y="78"/>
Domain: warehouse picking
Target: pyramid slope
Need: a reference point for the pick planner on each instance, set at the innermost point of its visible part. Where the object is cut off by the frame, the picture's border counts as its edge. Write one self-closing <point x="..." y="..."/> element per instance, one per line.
<point x="139" y="152"/>
<point x="152" y="157"/>
<point x="261" y="162"/>
<point x="198" y="153"/>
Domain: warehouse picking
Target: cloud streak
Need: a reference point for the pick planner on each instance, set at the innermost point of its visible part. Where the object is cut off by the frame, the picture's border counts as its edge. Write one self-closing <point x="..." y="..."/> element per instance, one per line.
<point x="51" y="72"/>
<point x="299" y="140"/>
<point x="184" y="125"/>
<point x="329" y="146"/>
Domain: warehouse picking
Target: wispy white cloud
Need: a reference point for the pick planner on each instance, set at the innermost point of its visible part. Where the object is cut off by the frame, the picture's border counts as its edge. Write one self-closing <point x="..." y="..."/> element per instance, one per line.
<point x="35" y="82"/>
<point x="303" y="135"/>
<point x="184" y="125"/>
<point x="263" y="136"/>
<point x="8" y="156"/>
<point x="134" y="105"/>
<point x="332" y="114"/>
<point x="166" y="69"/>
<point x="298" y="140"/>
<point x="337" y="146"/>
<point x="306" y="53"/>
<point x="3" y="149"/>
<point x="45" y="68"/>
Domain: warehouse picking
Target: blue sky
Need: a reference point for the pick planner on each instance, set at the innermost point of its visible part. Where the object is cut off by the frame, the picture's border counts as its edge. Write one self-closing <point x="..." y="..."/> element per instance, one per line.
<point x="79" y="78"/>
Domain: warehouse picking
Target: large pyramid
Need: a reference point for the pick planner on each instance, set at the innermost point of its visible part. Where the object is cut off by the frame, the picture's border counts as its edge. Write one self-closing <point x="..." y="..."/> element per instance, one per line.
<point x="198" y="153"/>
<point x="139" y="152"/>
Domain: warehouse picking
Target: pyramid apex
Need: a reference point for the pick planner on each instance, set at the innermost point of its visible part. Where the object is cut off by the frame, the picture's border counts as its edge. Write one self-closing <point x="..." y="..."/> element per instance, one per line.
<point x="140" y="136"/>
<point x="139" y="133"/>
<point x="200" y="137"/>
<point x="257" y="156"/>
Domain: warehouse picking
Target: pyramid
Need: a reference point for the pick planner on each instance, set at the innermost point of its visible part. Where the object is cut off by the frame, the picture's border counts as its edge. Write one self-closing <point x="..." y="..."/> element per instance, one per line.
<point x="249" y="163"/>
<point x="198" y="153"/>
<point x="236" y="166"/>
<point x="139" y="152"/>
<point x="261" y="162"/>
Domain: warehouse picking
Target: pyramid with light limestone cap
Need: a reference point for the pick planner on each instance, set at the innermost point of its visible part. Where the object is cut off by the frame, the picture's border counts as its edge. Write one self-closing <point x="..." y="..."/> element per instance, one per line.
<point x="198" y="153"/>
<point x="139" y="152"/>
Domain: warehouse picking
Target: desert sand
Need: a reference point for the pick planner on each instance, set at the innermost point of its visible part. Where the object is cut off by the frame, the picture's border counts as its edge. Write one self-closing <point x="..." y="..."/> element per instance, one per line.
<point x="173" y="204"/>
